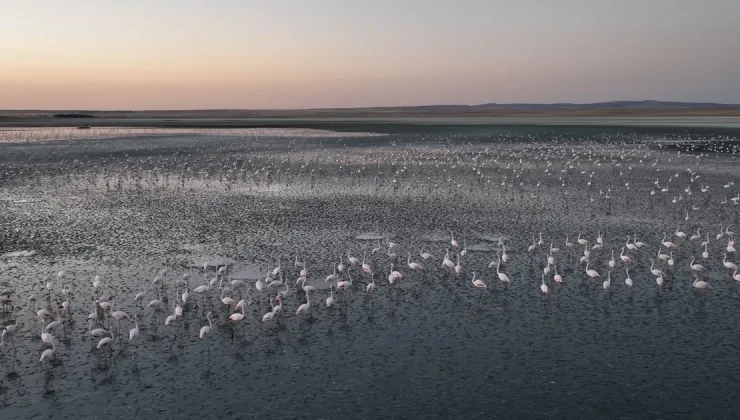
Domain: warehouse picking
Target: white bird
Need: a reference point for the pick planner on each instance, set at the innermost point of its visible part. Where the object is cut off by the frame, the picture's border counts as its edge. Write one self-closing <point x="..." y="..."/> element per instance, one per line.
<point x="332" y="277"/>
<point x="370" y="286"/>
<point x="478" y="283"/>
<point x="655" y="271"/>
<point x="105" y="340"/>
<point x="48" y="353"/>
<point x="728" y="264"/>
<point x="413" y="265"/>
<point x="206" y="329"/>
<point x="237" y="316"/>
<point x="543" y="286"/>
<point x="501" y="275"/>
<point x="330" y="299"/>
<point x="134" y="333"/>
<point x="696" y="267"/>
<point x="608" y="282"/>
<point x="304" y="307"/>
<point x="700" y="284"/>
<point x="591" y="272"/>
<point x="345" y="284"/>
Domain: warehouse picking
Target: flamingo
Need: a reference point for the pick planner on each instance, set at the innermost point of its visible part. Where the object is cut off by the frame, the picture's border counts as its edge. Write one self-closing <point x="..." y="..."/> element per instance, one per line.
<point x="453" y="242"/>
<point x="134" y="333"/>
<point x="630" y="246"/>
<point x="568" y="243"/>
<point x="543" y="286"/>
<point x="447" y="262"/>
<point x="277" y="269"/>
<point x="48" y="354"/>
<point x="370" y="286"/>
<point x="591" y="272"/>
<point x="352" y="260"/>
<point x="330" y="299"/>
<point x="332" y="277"/>
<point x="424" y="255"/>
<point x="637" y="243"/>
<point x="394" y="275"/>
<point x="502" y="276"/>
<point x="206" y="329"/>
<point x="366" y="267"/>
<point x="680" y="234"/>
<point x="340" y="267"/>
<point x="663" y="257"/>
<point x="557" y="277"/>
<point x="696" y="267"/>
<point x="728" y="264"/>
<point x="625" y="258"/>
<point x="413" y="265"/>
<point x="342" y="285"/>
<point x="721" y="233"/>
<point x="268" y="315"/>
<point x="655" y="271"/>
<point x="105" y="340"/>
<point x="628" y="280"/>
<point x="700" y="284"/>
<point x="612" y="262"/>
<point x="97" y="332"/>
<point x="305" y="307"/>
<point x="478" y="283"/>
<point x="608" y="282"/>
<point x="667" y="244"/>
<point x="236" y="316"/>
<point x="696" y="236"/>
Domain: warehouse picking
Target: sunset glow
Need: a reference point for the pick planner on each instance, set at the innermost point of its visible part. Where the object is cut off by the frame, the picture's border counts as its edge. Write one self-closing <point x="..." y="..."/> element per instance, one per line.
<point x="285" y="54"/>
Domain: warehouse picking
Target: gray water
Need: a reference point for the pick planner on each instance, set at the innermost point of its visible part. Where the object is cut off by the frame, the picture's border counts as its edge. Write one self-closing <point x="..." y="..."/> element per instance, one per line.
<point x="430" y="346"/>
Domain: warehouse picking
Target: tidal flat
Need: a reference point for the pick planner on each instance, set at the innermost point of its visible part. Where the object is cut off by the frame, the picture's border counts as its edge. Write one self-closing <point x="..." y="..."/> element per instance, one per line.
<point x="123" y="228"/>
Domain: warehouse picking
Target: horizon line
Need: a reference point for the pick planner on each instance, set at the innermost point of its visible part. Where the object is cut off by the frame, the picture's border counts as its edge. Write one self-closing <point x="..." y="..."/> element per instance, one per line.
<point x="726" y="104"/>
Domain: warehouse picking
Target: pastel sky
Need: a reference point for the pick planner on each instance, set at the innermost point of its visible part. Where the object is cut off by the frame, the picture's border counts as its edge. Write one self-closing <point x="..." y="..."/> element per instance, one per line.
<point x="192" y="54"/>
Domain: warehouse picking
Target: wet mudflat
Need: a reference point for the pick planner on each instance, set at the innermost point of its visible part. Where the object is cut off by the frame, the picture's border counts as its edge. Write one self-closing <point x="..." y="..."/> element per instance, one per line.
<point x="226" y="209"/>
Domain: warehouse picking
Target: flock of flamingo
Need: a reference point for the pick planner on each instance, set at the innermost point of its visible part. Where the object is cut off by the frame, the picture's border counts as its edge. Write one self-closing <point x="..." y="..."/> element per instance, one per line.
<point x="276" y="289"/>
<point x="603" y="260"/>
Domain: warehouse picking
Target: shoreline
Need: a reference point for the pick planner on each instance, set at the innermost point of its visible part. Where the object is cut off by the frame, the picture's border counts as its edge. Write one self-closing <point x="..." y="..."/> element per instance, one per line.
<point x="379" y="124"/>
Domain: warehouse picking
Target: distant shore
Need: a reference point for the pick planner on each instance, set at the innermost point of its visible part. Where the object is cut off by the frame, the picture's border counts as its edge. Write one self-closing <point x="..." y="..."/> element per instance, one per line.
<point x="363" y="119"/>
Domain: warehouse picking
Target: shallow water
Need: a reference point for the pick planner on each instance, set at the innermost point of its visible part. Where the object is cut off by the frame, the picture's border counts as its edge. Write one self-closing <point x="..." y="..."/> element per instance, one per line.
<point x="430" y="346"/>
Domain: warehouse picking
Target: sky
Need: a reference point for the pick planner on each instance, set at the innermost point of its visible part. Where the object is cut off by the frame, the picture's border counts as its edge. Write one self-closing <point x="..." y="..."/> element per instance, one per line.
<point x="237" y="54"/>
